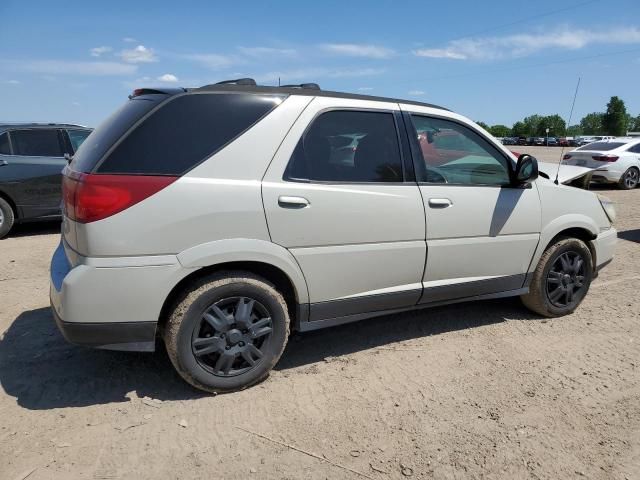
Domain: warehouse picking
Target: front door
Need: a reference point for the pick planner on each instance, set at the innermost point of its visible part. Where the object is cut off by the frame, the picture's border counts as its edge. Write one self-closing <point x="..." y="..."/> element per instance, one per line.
<point x="335" y="195"/>
<point x="481" y="232"/>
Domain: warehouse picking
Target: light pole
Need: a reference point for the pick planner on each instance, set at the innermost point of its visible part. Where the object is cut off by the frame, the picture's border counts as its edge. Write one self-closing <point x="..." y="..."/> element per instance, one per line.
<point x="546" y="142"/>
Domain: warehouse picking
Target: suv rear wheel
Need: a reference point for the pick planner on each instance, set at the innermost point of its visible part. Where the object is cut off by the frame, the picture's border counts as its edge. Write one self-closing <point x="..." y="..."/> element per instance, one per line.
<point x="7" y="217"/>
<point x="561" y="280"/>
<point x="227" y="332"/>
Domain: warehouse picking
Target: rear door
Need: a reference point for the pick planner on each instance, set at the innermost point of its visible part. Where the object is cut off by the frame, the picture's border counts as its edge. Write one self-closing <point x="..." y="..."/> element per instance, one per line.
<point x="34" y="170"/>
<point x="481" y="232"/>
<point x="339" y="196"/>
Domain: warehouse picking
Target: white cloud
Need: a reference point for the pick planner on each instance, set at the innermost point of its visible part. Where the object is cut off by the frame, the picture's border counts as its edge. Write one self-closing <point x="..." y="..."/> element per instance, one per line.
<point x="64" y="67"/>
<point x="267" y="51"/>
<point x="97" y="51"/>
<point x="139" y="54"/>
<point x="365" y="89"/>
<point x="75" y="104"/>
<point x="129" y="40"/>
<point x="214" y="61"/>
<point x="415" y="93"/>
<point x="524" y="44"/>
<point x="357" y="50"/>
<point x="313" y="74"/>
<point x="13" y="82"/>
<point x="167" y="78"/>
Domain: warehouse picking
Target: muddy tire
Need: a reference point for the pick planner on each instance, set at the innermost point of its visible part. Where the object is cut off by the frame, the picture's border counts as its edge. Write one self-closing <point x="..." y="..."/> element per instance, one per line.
<point x="561" y="280"/>
<point x="227" y="331"/>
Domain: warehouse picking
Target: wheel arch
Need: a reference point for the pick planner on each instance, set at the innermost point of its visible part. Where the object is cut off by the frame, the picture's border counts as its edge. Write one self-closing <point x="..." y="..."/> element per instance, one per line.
<point x="5" y="196"/>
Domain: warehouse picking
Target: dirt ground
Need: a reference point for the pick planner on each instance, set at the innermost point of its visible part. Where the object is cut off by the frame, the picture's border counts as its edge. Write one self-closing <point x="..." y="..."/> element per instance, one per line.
<point x="477" y="390"/>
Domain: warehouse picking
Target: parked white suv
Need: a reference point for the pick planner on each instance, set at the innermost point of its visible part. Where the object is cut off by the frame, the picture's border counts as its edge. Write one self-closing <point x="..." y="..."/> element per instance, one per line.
<point x="220" y="218"/>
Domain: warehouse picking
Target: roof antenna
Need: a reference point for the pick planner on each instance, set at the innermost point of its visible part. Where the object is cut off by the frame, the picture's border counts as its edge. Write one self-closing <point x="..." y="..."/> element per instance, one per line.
<point x="568" y="125"/>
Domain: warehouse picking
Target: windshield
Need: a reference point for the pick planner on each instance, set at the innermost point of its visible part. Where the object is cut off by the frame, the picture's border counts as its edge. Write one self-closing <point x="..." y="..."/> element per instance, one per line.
<point x="602" y="146"/>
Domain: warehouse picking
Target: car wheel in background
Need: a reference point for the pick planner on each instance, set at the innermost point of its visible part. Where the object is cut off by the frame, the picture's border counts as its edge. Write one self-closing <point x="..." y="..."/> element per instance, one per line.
<point x="7" y="218"/>
<point x="629" y="179"/>
<point x="227" y="332"/>
<point x="561" y="280"/>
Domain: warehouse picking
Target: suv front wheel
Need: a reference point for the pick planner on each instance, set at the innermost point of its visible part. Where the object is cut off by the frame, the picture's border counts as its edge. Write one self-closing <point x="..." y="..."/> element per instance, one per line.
<point x="7" y="217"/>
<point x="561" y="280"/>
<point x="227" y="332"/>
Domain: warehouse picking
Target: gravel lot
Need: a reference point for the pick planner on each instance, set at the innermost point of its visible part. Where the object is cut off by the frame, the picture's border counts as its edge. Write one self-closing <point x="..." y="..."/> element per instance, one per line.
<point x="478" y="390"/>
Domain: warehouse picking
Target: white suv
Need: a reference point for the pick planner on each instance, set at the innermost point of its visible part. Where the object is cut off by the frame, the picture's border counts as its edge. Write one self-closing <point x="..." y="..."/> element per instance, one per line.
<point x="220" y="218"/>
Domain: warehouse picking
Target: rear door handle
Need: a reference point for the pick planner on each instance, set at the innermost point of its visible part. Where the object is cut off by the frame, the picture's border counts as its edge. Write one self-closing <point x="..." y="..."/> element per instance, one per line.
<point x="292" y="202"/>
<point x="3" y="163"/>
<point x="440" y="202"/>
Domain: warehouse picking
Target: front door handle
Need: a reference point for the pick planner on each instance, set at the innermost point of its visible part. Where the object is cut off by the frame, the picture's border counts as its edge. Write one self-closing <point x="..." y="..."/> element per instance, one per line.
<point x="286" y="201"/>
<point x="440" y="202"/>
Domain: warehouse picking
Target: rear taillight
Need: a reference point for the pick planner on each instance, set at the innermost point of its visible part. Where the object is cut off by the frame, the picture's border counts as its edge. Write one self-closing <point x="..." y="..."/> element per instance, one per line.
<point x="605" y="158"/>
<point x="90" y="197"/>
<point x="567" y="156"/>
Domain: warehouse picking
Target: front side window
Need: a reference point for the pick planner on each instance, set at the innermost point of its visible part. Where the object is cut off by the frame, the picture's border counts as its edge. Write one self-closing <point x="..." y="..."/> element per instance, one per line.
<point x="348" y="146"/>
<point x="5" y="148"/>
<point x="36" y="143"/>
<point x="453" y="153"/>
<point x="76" y="137"/>
<point x="635" y="148"/>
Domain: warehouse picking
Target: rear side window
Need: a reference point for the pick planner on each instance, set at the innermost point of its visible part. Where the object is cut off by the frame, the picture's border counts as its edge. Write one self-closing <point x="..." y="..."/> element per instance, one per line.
<point x="348" y="146"/>
<point x="5" y="148"/>
<point x="634" y="149"/>
<point x="36" y="143"/>
<point x="185" y="131"/>
<point x="77" y="137"/>
<point x="601" y="146"/>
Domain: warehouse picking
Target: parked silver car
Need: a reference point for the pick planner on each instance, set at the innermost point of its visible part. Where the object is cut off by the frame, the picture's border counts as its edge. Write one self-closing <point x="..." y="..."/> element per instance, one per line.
<point x="220" y="218"/>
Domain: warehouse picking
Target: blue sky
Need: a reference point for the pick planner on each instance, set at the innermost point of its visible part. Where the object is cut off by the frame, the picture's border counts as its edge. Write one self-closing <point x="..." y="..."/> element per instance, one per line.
<point x="493" y="61"/>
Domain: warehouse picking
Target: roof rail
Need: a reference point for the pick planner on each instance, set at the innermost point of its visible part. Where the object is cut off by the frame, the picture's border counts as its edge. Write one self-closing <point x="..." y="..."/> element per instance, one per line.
<point x="238" y="81"/>
<point x="308" y="86"/>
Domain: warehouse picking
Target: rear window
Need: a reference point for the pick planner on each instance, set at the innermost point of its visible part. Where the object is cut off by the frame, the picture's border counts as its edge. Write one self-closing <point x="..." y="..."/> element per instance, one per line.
<point x="110" y="131"/>
<point x="602" y="146"/>
<point x="184" y="131"/>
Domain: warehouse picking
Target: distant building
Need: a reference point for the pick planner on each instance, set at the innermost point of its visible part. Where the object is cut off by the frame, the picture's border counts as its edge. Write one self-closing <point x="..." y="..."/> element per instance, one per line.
<point x="633" y="134"/>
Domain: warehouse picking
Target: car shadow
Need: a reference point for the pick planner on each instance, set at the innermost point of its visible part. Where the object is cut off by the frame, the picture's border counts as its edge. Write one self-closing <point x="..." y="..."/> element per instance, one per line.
<point x="42" y="371"/>
<point x="35" y="228"/>
<point x="630" y="235"/>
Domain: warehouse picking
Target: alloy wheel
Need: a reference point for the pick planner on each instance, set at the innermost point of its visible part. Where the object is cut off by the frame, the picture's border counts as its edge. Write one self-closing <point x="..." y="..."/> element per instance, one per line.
<point x="565" y="280"/>
<point x="631" y="178"/>
<point x="231" y="337"/>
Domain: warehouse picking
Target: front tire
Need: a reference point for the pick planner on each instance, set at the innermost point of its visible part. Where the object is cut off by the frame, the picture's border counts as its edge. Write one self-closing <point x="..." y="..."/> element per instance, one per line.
<point x="629" y="179"/>
<point x="561" y="280"/>
<point x="7" y="218"/>
<point x="228" y="332"/>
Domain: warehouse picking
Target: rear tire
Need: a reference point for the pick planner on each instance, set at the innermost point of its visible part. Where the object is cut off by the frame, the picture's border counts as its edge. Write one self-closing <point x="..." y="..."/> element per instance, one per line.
<point x="629" y="179"/>
<point x="227" y="332"/>
<point x="561" y="280"/>
<point x="7" y="218"/>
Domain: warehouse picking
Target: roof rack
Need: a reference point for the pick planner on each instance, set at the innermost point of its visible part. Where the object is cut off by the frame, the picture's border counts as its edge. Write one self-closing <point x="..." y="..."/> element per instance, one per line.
<point x="238" y="81"/>
<point x="309" y="86"/>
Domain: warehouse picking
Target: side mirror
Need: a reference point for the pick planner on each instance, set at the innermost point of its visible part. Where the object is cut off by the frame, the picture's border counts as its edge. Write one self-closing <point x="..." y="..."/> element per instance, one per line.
<point x="526" y="170"/>
<point x="68" y="157"/>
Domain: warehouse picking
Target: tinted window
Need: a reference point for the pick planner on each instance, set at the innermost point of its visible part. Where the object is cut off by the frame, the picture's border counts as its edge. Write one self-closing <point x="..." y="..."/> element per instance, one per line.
<point x="601" y="146"/>
<point x="348" y="146"/>
<point x="76" y="137"/>
<point x="634" y="149"/>
<point x="185" y="131"/>
<point x="110" y="131"/>
<point x="453" y="153"/>
<point x="36" y="143"/>
<point x="4" y="144"/>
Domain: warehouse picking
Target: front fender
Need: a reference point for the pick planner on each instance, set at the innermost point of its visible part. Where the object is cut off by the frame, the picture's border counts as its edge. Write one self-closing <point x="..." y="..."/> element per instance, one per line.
<point x="247" y="250"/>
<point x="557" y="226"/>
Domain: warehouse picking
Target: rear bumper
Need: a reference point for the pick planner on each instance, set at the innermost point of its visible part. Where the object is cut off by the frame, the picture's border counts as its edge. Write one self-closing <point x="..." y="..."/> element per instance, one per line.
<point x="606" y="175"/>
<point x="114" y="307"/>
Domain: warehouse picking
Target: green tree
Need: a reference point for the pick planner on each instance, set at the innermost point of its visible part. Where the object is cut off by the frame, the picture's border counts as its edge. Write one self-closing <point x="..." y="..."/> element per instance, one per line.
<point x="591" y="124"/>
<point x="500" y="131"/>
<point x="483" y="125"/>
<point x="556" y="125"/>
<point x="614" y="120"/>
<point x="574" y="131"/>
<point x="634" y="124"/>
<point x="519" y="129"/>
<point x="532" y="124"/>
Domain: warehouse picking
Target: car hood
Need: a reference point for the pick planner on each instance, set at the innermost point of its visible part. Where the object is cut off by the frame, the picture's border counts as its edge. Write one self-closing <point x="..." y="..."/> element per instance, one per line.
<point x="567" y="173"/>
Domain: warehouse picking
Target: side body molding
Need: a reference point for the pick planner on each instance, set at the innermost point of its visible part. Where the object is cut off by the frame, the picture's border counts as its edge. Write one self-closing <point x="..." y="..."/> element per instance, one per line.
<point x="247" y="250"/>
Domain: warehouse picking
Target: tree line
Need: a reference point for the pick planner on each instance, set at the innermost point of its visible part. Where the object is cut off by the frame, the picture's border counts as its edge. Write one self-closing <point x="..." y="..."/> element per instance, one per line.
<point x="614" y="121"/>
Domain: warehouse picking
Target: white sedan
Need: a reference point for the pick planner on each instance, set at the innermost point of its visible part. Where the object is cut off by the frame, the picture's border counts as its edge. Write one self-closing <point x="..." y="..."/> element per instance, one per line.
<point x="613" y="161"/>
